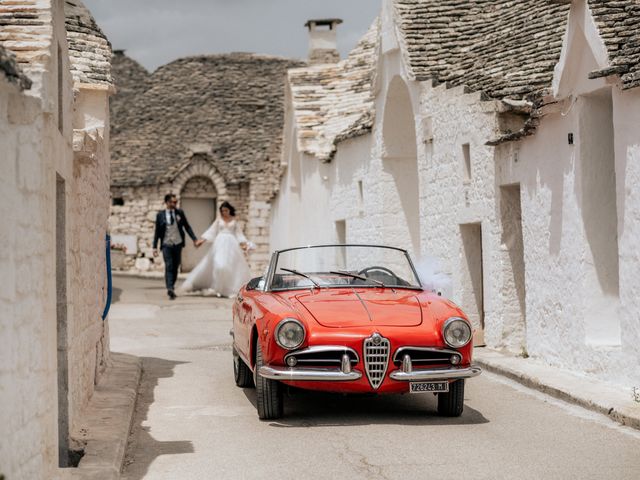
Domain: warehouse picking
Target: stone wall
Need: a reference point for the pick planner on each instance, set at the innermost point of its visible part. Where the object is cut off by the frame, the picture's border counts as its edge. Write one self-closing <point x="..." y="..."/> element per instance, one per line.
<point x="136" y="217"/>
<point x="89" y="210"/>
<point x="37" y="152"/>
<point x="27" y="295"/>
<point x="55" y="166"/>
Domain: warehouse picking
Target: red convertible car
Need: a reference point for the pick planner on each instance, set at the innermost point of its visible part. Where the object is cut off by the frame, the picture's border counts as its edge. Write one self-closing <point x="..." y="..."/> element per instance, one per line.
<point x="348" y="319"/>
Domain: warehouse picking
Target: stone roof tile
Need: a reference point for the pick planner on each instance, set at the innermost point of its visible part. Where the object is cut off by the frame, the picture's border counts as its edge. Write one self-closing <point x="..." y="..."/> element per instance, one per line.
<point x="26" y="30"/>
<point x="89" y="49"/>
<point x="503" y="48"/>
<point x="233" y="103"/>
<point x="618" y="22"/>
<point x="333" y="102"/>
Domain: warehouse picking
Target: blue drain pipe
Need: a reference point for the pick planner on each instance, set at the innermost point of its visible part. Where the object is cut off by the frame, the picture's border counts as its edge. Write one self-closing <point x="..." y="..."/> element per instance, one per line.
<point x="107" y="307"/>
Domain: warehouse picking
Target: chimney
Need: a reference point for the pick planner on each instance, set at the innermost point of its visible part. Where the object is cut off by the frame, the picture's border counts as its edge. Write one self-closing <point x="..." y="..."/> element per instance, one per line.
<point x="323" y="46"/>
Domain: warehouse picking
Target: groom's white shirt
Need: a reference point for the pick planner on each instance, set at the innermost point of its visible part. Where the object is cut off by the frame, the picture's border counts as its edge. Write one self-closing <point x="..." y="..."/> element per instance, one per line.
<point x="167" y="215"/>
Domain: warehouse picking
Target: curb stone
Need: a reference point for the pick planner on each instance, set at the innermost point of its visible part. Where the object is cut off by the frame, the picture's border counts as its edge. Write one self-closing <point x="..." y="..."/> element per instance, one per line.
<point x="589" y="393"/>
<point x="107" y="421"/>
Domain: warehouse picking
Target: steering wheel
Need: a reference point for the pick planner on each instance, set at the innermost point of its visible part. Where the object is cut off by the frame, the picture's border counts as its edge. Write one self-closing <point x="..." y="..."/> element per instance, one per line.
<point x="385" y="270"/>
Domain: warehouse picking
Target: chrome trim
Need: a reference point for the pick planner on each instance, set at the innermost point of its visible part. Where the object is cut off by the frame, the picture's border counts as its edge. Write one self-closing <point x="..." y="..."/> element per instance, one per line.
<point x="345" y="364"/>
<point x="271" y="271"/>
<point x="413" y="268"/>
<point x="341" y="245"/>
<point x="451" y="320"/>
<point x="407" y="367"/>
<point x="448" y="352"/>
<point x="436" y="374"/>
<point x="322" y="348"/>
<point x="376" y="351"/>
<point x="308" y="374"/>
<point x="279" y="326"/>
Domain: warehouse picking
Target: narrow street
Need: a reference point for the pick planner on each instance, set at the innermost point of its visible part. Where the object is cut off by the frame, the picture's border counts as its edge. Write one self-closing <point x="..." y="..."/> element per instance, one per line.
<point x="192" y="422"/>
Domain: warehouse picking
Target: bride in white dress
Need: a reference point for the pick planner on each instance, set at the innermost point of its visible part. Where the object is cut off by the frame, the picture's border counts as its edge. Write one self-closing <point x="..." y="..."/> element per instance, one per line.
<point x="224" y="268"/>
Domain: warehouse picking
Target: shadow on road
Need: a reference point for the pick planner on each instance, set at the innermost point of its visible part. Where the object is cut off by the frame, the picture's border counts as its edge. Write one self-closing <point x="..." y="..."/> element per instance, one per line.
<point x="142" y="448"/>
<point x="304" y="409"/>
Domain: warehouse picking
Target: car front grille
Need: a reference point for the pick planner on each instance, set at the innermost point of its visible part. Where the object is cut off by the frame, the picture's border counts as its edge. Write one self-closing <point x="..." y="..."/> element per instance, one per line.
<point x="376" y="358"/>
<point x="323" y="356"/>
<point x="427" y="356"/>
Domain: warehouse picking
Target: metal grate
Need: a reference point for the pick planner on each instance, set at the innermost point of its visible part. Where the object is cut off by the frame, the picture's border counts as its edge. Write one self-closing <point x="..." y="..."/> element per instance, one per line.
<point x="376" y="358"/>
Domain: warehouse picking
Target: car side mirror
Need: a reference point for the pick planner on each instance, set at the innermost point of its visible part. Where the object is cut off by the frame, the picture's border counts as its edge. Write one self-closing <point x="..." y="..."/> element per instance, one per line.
<point x="254" y="283"/>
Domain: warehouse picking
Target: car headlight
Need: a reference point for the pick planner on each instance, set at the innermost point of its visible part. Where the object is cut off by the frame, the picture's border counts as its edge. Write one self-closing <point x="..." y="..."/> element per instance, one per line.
<point x="290" y="333"/>
<point x="456" y="332"/>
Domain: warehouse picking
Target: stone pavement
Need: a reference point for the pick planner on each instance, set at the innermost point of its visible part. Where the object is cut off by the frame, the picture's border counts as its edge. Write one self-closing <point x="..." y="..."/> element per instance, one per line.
<point x="593" y="394"/>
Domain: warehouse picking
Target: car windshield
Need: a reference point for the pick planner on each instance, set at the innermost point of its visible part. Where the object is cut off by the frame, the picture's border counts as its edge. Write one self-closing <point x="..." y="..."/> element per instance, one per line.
<point x="334" y="266"/>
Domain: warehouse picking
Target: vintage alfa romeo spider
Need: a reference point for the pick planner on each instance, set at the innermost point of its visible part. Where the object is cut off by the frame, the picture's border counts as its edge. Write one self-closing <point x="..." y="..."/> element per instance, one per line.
<point x="349" y="319"/>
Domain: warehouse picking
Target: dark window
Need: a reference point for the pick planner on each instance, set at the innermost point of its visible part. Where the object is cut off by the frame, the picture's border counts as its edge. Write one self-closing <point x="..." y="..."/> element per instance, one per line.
<point x="60" y="92"/>
<point x="466" y="157"/>
<point x="118" y="202"/>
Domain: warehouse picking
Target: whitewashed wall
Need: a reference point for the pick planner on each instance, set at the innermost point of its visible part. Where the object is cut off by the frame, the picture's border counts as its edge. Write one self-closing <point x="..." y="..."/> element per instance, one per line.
<point x="27" y="294"/>
<point x="580" y="213"/>
<point x="33" y="150"/>
<point x="449" y="199"/>
<point x="36" y="151"/>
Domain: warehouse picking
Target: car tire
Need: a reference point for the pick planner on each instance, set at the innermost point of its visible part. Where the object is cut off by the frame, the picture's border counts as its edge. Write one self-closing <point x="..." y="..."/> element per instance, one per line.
<point x="268" y="393"/>
<point x="242" y="374"/>
<point x="451" y="404"/>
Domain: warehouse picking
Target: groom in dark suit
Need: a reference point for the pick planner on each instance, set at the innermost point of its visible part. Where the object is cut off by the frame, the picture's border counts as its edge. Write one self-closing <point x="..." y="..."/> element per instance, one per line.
<point x="171" y="224"/>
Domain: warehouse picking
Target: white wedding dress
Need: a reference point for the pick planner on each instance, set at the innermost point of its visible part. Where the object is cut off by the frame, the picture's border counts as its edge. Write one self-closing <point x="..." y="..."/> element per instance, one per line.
<point x="224" y="268"/>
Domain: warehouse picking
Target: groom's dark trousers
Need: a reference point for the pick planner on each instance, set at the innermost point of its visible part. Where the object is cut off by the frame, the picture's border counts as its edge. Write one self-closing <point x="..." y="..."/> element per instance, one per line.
<point x="172" y="254"/>
<point x="172" y="257"/>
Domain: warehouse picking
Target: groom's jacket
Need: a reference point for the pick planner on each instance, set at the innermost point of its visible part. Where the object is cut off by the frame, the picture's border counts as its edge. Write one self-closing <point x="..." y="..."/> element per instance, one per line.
<point x="161" y="227"/>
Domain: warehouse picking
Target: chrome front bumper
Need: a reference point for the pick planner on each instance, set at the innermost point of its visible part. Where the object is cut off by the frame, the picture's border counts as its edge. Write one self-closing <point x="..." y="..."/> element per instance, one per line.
<point x="336" y="375"/>
<point x="453" y="373"/>
<point x="308" y="374"/>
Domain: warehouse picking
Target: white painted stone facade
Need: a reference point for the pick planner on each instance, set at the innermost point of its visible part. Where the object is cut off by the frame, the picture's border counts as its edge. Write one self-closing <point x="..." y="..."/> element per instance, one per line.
<point x="526" y="230"/>
<point x="55" y="183"/>
<point x="580" y="213"/>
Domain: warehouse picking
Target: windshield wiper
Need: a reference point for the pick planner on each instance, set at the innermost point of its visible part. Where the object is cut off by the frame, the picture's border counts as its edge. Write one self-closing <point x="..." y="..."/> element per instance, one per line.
<point x="296" y="272"/>
<point x="359" y="277"/>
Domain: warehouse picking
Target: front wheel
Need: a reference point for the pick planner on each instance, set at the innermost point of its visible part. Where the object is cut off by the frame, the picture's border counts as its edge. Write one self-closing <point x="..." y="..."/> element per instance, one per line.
<point x="268" y="393"/>
<point x="451" y="404"/>
<point x="241" y="372"/>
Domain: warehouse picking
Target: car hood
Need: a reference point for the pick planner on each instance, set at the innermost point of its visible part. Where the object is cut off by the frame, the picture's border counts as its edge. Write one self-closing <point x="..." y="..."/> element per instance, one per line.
<point x="343" y="308"/>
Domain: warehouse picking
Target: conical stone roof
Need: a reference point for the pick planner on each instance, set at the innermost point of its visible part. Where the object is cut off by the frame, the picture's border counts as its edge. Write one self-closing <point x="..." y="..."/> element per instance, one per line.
<point x="233" y="103"/>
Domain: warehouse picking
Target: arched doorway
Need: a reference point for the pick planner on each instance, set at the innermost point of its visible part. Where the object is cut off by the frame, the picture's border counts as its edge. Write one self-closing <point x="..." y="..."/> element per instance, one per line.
<point x="400" y="163"/>
<point x="198" y="199"/>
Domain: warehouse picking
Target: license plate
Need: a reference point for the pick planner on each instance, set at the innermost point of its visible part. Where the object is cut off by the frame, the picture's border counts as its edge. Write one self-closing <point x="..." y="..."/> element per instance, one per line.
<point x="435" y="387"/>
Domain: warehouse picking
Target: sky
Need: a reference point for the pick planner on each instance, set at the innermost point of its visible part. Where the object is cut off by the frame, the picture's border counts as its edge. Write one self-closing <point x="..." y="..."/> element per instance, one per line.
<point x="155" y="32"/>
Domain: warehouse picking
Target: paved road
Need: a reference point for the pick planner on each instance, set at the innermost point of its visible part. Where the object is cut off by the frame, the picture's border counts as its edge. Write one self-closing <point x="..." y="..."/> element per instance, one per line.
<point x="193" y="423"/>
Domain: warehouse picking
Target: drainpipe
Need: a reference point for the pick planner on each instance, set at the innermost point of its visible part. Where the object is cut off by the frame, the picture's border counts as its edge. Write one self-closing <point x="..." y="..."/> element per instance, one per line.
<point x="109" y="280"/>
